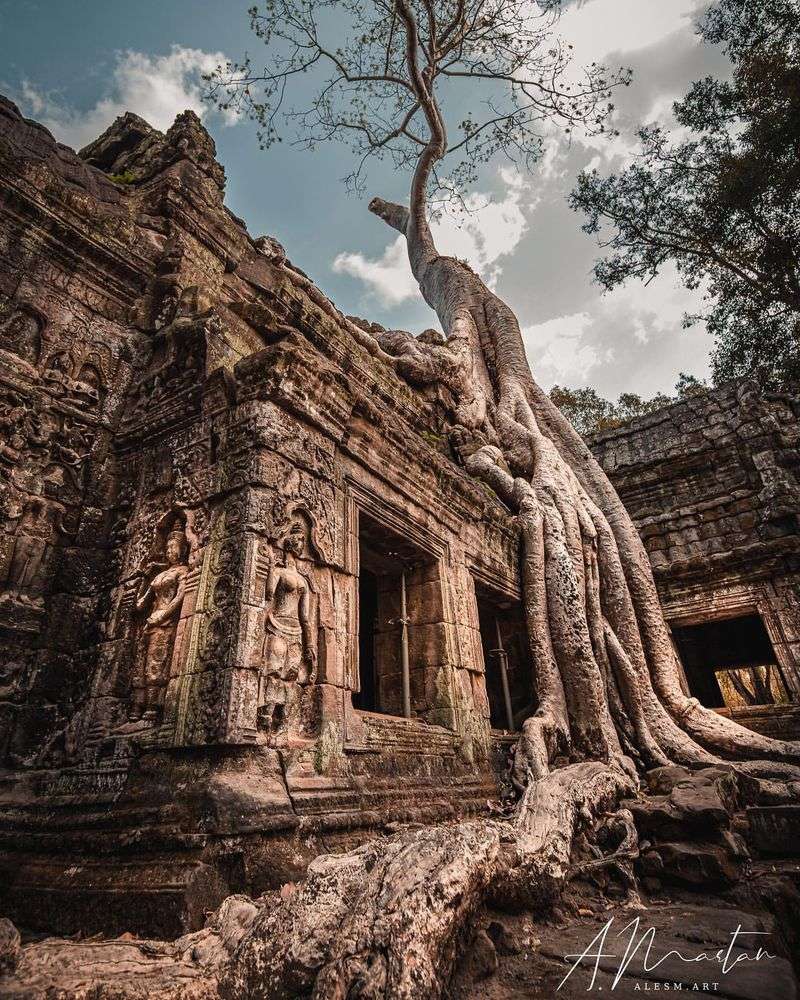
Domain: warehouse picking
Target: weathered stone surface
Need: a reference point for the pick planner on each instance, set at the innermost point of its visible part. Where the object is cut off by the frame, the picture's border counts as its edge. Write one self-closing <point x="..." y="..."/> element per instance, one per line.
<point x="10" y="946"/>
<point x="712" y="484"/>
<point x="192" y="442"/>
<point x="688" y="947"/>
<point x="387" y="919"/>
<point x="686" y="821"/>
<point x="700" y="801"/>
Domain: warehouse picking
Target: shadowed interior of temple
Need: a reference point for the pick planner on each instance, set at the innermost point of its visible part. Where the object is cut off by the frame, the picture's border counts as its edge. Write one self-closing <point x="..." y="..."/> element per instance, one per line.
<point x="396" y="604"/>
<point x="730" y="662"/>
<point x="505" y="647"/>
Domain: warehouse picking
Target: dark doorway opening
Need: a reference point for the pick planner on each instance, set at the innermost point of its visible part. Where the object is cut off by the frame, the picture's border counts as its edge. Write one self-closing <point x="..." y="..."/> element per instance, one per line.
<point x="504" y="639"/>
<point x="730" y="662"/>
<point x="387" y="562"/>
<point x="367" y="626"/>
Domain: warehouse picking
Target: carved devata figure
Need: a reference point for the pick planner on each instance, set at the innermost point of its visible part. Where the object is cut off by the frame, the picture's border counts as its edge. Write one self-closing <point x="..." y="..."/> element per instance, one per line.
<point x="39" y="523"/>
<point x="160" y="597"/>
<point x="20" y="333"/>
<point x="289" y="654"/>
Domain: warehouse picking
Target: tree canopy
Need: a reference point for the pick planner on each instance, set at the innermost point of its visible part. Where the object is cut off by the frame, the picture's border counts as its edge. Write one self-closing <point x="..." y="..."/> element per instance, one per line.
<point x="721" y="197"/>
<point x="377" y="72"/>
<point x="589" y="412"/>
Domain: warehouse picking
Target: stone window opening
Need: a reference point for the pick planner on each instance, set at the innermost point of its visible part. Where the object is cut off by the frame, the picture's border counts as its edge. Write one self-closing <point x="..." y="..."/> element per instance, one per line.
<point x="509" y="678"/>
<point x="400" y="623"/>
<point x="730" y="663"/>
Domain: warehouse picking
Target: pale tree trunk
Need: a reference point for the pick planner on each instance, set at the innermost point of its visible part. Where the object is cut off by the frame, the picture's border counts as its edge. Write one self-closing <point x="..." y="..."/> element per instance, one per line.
<point x="388" y="920"/>
<point x="606" y="673"/>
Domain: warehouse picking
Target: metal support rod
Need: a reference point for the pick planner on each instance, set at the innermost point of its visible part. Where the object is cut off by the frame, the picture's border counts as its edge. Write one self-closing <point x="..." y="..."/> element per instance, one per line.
<point x="791" y="694"/>
<point x="502" y="658"/>
<point x="406" y="676"/>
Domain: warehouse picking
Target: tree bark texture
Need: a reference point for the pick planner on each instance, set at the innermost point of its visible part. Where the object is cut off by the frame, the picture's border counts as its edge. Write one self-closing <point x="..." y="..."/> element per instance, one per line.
<point x="386" y="921"/>
<point x="607" y="678"/>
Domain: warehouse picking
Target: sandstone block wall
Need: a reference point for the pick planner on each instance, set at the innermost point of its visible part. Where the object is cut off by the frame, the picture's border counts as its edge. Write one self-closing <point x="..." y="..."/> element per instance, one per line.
<point x="193" y="442"/>
<point x="713" y="485"/>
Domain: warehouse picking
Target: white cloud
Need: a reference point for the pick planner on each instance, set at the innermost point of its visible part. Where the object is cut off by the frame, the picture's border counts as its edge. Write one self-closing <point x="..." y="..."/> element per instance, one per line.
<point x="597" y="28"/>
<point x="388" y="277"/>
<point x="630" y="33"/>
<point x="557" y="349"/>
<point x="489" y="231"/>
<point x="628" y="340"/>
<point x="155" y="87"/>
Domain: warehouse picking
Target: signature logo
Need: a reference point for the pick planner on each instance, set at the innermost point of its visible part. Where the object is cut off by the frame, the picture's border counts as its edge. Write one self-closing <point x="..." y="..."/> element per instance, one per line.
<point x="600" y="953"/>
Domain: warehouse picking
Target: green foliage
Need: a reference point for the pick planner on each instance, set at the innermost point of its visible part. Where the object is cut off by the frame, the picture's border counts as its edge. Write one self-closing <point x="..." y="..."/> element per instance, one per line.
<point x="590" y="413"/>
<point x="438" y="441"/>
<point x="126" y="177"/>
<point x="722" y="204"/>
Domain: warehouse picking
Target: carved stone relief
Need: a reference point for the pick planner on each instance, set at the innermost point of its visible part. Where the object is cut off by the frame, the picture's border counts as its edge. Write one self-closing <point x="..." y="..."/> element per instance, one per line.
<point x="35" y="525"/>
<point x="77" y="371"/>
<point x="21" y="430"/>
<point x="21" y="334"/>
<point x="158" y="602"/>
<point x="43" y="459"/>
<point x="289" y="651"/>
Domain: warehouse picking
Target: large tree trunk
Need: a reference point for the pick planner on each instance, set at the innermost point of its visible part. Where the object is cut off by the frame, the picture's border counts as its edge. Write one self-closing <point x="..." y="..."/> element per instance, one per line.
<point x="607" y="676"/>
<point x="386" y="921"/>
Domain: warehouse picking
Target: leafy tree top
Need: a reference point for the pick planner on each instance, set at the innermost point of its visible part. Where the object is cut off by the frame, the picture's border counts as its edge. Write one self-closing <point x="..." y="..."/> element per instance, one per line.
<point x="723" y="202"/>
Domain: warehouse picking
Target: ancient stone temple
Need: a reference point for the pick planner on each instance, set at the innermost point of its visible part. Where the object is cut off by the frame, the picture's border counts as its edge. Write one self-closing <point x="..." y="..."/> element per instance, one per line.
<point x="252" y="608"/>
<point x="248" y="599"/>
<point x="713" y="485"/>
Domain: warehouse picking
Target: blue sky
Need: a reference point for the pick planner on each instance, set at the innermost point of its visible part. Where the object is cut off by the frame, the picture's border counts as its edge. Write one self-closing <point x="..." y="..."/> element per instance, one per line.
<point x="76" y="64"/>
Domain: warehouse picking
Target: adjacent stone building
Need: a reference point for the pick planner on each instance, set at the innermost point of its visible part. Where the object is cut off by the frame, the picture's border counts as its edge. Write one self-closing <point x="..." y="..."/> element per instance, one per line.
<point x="713" y="485"/>
<point x="251" y="606"/>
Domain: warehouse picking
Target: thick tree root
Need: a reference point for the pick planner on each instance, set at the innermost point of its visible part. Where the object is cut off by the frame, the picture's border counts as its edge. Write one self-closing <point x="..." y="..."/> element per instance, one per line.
<point x="551" y="812"/>
<point x="386" y="921"/>
<point x="382" y="921"/>
<point x="607" y="677"/>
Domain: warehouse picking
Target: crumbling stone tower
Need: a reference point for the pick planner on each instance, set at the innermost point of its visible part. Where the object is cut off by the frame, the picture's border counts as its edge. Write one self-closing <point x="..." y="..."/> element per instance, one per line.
<point x="247" y="595"/>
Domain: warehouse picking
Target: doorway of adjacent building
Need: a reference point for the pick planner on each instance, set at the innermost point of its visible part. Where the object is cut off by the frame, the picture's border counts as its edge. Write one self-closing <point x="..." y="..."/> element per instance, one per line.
<point x="730" y="663"/>
<point x="504" y="639"/>
<point x="389" y="563"/>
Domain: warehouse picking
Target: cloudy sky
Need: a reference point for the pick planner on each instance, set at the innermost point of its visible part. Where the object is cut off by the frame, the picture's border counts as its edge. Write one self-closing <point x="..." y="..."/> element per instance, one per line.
<point x="76" y="64"/>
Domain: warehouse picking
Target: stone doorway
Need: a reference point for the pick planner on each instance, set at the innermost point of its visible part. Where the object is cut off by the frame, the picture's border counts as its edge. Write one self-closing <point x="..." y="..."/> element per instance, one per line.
<point x="504" y="640"/>
<point x="730" y="663"/>
<point x="394" y="571"/>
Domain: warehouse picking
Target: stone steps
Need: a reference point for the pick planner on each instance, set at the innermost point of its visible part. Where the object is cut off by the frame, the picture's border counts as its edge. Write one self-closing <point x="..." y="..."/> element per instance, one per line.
<point x="775" y="830"/>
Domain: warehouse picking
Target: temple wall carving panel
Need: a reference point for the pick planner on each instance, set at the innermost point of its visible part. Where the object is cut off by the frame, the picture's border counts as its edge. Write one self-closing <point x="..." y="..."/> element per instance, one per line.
<point x="228" y="536"/>
<point x="191" y="448"/>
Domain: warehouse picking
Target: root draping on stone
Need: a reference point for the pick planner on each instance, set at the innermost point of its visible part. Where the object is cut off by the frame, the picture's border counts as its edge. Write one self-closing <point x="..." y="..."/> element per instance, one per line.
<point x="387" y="920"/>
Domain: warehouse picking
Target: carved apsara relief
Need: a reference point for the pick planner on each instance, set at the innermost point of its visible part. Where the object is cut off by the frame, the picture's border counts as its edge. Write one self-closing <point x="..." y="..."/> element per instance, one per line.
<point x="38" y="525"/>
<point x="158" y="602"/>
<point x="43" y="456"/>
<point x="287" y="664"/>
<point x="289" y="650"/>
<point x="21" y="334"/>
<point x="177" y="364"/>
